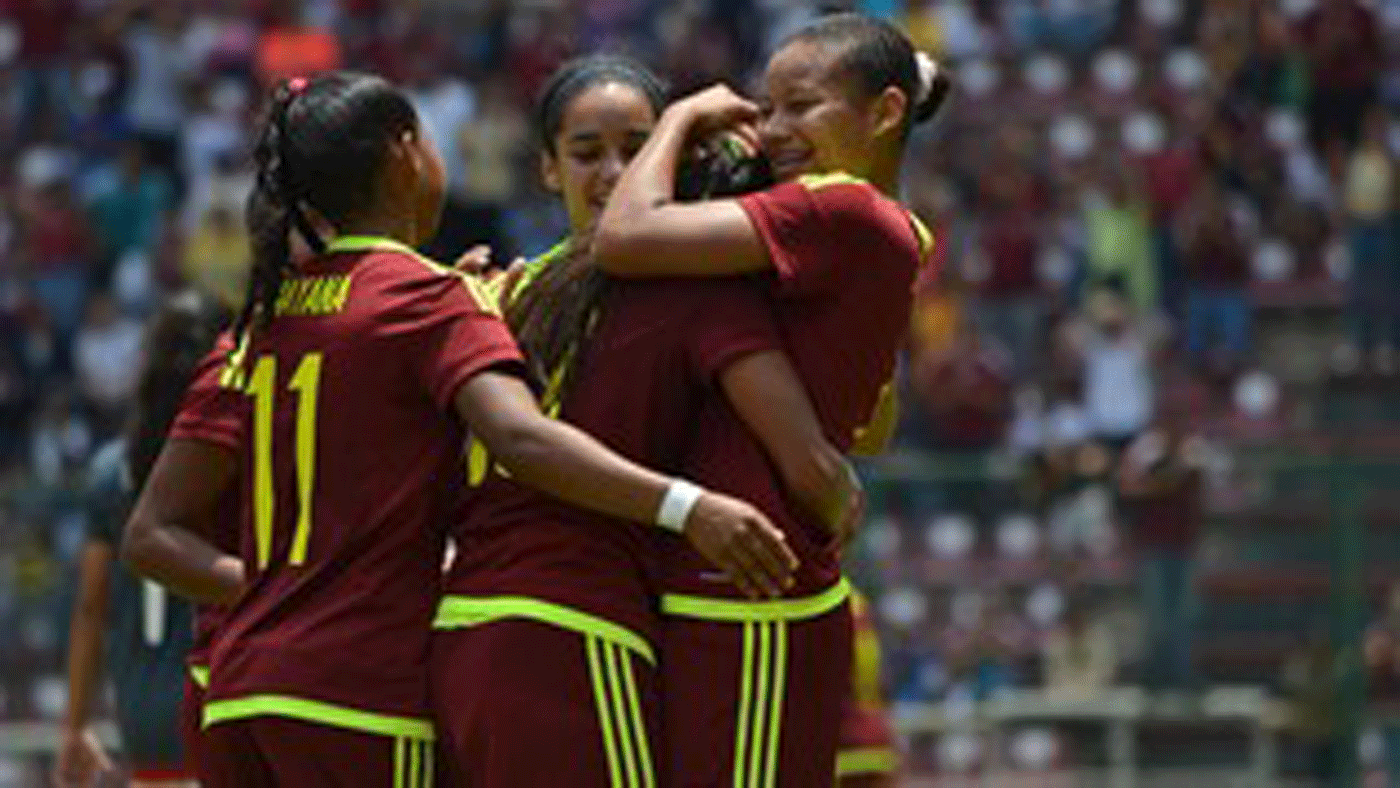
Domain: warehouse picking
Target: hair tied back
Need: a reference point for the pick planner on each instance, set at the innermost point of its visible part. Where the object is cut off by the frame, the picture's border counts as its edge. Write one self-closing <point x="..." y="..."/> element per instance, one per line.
<point x="934" y="86"/>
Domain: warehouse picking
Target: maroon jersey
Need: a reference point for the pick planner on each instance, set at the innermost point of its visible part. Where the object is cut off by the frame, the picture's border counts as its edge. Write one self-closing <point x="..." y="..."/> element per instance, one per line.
<point x="212" y="412"/>
<point x="846" y="259"/>
<point x="350" y="473"/>
<point x="649" y="363"/>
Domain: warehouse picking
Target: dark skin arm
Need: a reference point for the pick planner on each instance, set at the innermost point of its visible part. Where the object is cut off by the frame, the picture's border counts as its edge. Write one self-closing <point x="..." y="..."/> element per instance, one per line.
<point x="771" y="401"/>
<point x="644" y="233"/>
<point x="561" y="460"/>
<point x="179" y="501"/>
<point x="81" y="757"/>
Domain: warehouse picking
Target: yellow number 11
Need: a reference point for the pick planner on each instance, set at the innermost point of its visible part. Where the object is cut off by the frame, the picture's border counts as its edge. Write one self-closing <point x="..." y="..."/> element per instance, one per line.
<point x="262" y="386"/>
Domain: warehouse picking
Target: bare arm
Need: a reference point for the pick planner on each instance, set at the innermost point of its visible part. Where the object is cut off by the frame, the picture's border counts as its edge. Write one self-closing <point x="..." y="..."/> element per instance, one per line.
<point x="772" y="402"/>
<point x="561" y="460"/>
<point x="643" y="232"/>
<point x="161" y="540"/>
<point x="81" y="756"/>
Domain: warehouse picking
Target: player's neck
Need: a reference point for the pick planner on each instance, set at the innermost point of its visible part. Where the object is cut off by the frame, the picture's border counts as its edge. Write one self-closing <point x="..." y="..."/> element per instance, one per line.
<point x="400" y="228"/>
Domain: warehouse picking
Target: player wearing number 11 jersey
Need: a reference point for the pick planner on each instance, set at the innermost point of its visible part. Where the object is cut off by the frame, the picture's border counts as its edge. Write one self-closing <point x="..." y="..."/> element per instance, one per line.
<point x="361" y="368"/>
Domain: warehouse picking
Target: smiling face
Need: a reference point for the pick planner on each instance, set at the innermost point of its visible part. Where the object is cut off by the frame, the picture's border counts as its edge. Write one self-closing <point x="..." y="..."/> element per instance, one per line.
<point x="602" y="129"/>
<point x="814" y="119"/>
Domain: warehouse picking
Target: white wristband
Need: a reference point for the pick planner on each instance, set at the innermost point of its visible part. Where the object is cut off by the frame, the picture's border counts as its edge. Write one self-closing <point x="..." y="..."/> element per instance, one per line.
<point x="675" y="507"/>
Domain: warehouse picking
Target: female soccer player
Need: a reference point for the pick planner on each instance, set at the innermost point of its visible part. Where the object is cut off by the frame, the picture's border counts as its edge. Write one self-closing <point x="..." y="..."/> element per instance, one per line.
<point x="361" y="367"/>
<point x="844" y="93"/>
<point x="555" y="606"/>
<point x="150" y="631"/>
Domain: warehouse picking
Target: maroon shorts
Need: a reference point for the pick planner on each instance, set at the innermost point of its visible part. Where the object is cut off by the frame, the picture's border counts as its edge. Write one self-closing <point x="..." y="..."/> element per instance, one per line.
<point x="866" y="743"/>
<point x="520" y="702"/>
<point x="753" y="703"/>
<point x="274" y="752"/>
<point x="191" y="734"/>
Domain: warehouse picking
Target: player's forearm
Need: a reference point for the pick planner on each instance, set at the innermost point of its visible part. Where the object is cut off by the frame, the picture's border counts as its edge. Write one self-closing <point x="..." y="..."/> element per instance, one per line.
<point x="646" y="185"/>
<point x="175" y="557"/>
<point x="567" y="463"/>
<point x="86" y="633"/>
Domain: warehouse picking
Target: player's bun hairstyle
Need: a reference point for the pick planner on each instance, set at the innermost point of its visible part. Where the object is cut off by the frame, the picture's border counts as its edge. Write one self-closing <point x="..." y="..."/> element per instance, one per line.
<point x="875" y="55"/>
<point x="577" y="76"/>
<point x="180" y="333"/>
<point x="552" y="316"/>
<point x="321" y="145"/>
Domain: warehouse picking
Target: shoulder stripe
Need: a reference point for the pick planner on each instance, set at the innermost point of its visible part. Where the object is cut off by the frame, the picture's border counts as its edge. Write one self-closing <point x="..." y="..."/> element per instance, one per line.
<point x="217" y="711"/>
<point x="823" y="180"/>
<point x="367" y="243"/>
<point x="718" y="609"/>
<point x="925" y="235"/>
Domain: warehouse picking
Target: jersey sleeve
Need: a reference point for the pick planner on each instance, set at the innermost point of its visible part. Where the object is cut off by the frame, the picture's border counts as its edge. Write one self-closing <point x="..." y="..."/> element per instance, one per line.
<point x="212" y="408"/>
<point x="731" y="319"/>
<point x="810" y="229"/>
<point x="443" y="324"/>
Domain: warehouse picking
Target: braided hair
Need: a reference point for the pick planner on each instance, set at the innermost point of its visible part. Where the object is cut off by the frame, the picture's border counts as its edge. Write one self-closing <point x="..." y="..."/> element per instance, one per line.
<point x="321" y="145"/>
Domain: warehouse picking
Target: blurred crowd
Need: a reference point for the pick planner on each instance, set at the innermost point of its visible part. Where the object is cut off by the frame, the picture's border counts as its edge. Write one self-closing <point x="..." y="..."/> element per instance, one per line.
<point x="1120" y="188"/>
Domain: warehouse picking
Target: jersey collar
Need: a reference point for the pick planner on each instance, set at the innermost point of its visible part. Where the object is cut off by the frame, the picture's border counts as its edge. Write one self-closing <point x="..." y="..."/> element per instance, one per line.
<point x="366" y="243"/>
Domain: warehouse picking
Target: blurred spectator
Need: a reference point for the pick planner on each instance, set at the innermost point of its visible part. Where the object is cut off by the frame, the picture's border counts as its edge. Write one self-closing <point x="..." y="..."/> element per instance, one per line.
<point x="1370" y="190"/>
<point x="59" y="440"/>
<point x="1159" y="478"/>
<point x="128" y="213"/>
<point x="1079" y="657"/>
<point x="1171" y="174"/>
<point x="1309" y="689"/>
<point x="106" y="359"/>
<point x="1003" y="263"/>
<point x="1115" y="348"/>
<point x="1343" y="45"/>
<point x="1073" y="26"/>
<point x="966" y="390"/>
<point x="152" y="35"/>
<point x="44" y="27"/>
<point x="445" y="105"/>
<point x="1381" y="649"/>
<point x="56" y="245"/>
<point x="982" y="644"/>
<point x="288" y="48"/>
<point x="1217" y="275"/>
<point x="215" y="132"/>
<point x="493" y="149"/>
<point x="217" y="255"/>
<point x="1119" y="243"/>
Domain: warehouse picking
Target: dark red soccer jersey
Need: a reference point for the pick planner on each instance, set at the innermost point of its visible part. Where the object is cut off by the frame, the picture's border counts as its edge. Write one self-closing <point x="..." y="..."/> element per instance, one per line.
<point x="846" y="258"/>
<point x="351" y="468"/>
<point x="213" y="413"/>
<point x="650" y="362"/>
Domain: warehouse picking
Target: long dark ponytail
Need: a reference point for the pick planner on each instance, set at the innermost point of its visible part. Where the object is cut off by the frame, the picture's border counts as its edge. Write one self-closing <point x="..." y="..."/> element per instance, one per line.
<point x="320" y="146"/>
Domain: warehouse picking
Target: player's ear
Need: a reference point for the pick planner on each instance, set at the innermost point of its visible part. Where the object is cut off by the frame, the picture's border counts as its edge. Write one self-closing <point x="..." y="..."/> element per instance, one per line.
<point x="549" y="172"/>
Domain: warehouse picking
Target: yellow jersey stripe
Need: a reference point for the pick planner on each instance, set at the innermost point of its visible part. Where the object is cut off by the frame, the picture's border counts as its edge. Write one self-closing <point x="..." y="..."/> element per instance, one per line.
<point x="199" y="674"/>
<point x="218" y="711"/>
<point x="866" y="760"/>
<point x="741" y="729"/>
<point x="603" y="706"/>
<point x="779" y="692"/>
<point x="718" y="609"/>
<point x="460" y="612"/>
